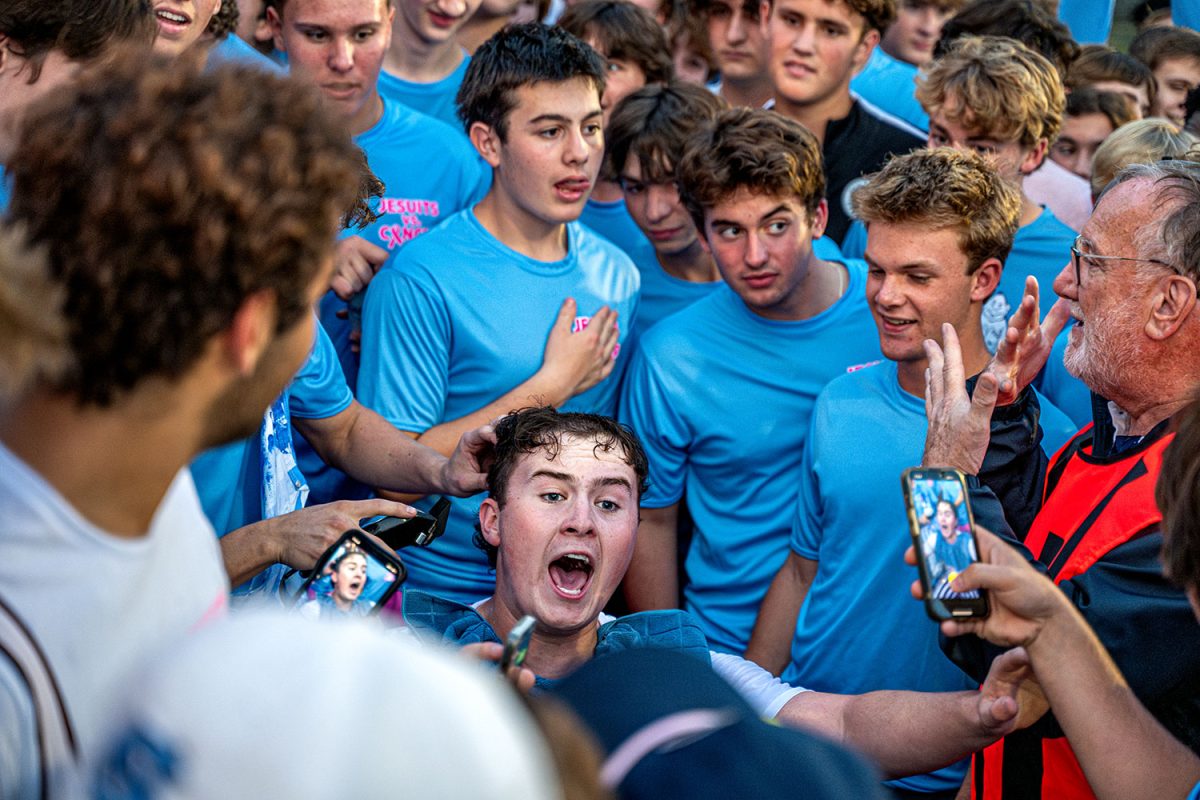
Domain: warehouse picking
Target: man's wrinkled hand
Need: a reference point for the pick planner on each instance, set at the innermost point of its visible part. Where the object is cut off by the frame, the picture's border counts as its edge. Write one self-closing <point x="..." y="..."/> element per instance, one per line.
<point x="959" y="423"/>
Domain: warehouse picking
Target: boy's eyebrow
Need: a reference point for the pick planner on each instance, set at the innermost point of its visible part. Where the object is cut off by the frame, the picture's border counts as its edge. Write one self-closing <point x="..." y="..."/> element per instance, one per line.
<point x="615" y="482"/>
<point x="781" y="208"/>
<point x="566" y="478"/>
<point x="560" y="118"/>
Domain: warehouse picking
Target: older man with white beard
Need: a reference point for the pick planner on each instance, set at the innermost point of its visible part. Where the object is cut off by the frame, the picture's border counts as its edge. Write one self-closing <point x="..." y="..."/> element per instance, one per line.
<point x="1087" y="517"/>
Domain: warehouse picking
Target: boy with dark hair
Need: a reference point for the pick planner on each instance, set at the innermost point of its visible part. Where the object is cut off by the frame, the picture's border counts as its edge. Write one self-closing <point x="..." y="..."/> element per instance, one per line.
<point x="425" y="63"/>
<point x="645" y="140"/>
<point x="43" y="44"/>
<point x="781" y="326"/>
<point x="1173" y="55"/>
<point x="635" y="53"/>
<point x="445" y="349"/>
<point x="1107" y="70"/>
<point x="816" y="47"/>
<point x="738" y="38"/>
<point x="202" y="211"/>
<point x="940" y="224"/>
<point x="889" y="80"/>
<point x="1090" y="118"/>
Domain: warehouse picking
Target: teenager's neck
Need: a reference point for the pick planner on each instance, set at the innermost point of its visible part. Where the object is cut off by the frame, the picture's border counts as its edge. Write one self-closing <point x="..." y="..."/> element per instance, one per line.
<point x="515" y="228"/>
<point x="824" y="285"/>
<point x="751" y="93"/>
<point x="413" y="59"/>
<point x="368" y="116"/>
<point x="478" y="29"/>
<point x="113" y="465"/>
<point x="607" y="191"/>
<point x="693" y="264"/>
<point x="1030" y="210"/>
<point x="550" y="656"/>
<point x="816" y="116"/>
<point x="975" y="357"/>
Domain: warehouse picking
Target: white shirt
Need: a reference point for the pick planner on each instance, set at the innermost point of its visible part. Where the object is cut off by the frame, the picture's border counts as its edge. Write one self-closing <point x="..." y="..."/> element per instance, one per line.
<point x="97" y="603"/>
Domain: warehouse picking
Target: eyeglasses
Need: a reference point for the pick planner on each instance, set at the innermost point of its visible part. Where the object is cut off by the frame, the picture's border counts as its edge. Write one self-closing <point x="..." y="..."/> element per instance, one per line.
<point x="1078" y="256"/>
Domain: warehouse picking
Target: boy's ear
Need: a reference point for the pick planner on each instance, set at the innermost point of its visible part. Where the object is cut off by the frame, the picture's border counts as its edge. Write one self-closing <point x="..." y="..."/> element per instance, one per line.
<point x="1034" y="157"/>
<point x="986" y="279"/>
<point x="487" y="142"/>
<point x="489" y="521"/>
<point x="819" y="219"/>
<point x="251" y="331"/>
<point x="275" y="25"/>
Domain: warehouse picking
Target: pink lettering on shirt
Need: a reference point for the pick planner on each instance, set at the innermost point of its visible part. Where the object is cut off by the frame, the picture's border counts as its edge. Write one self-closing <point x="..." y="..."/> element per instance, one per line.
<point x="582" y="322"/>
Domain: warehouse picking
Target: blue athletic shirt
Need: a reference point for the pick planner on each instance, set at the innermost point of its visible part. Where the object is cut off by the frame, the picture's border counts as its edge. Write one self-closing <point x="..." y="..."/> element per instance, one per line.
<point x="662" y="293"/>
<point x="233" y="50"/>
<point x="421" y="191"/>
<point x="229" y="479"/>
<point x="859" y="629"/>
<point x="434" y="99"/>
<point x="612" y="221"/>
<point x="720" y="398"/>
<point x="458" y="319"/>
<point x="4" y="190"/>
<point x="891" y="84"/>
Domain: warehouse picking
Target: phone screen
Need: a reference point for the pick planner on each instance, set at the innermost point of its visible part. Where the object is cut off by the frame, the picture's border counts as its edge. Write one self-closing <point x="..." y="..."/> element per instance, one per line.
<point x="941" y="520"/>
<point x="351" y="580"/>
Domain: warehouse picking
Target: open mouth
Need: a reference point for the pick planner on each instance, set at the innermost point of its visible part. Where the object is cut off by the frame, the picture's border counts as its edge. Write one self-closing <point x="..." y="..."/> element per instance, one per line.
<point x="571" y="574"/>
<point x="172" y="17"/>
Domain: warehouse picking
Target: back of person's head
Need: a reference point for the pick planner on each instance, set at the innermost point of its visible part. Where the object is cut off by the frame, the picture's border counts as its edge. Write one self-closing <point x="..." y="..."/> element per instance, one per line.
<point x="1178" y="496"/>
<point x="184" y="193"/>
<point x="622" y="30"/>
<point x="944" y="188"/>
<point x="521" y="55"/>
<point x="1099" y="64"/>
<point x="1143" y="141"/>
<point x="654" y="124"/>
<point x="667" y="725"/>
<point x="997" y="87"/>
<point x="328" y="709"/>
<point x="1151" y="14"/>
<point x="1155" y="45"/>
<point x="1024" y="20"/>
<point x="81" y="30"/>
<point x="1117" y="109"/>
<point x="753" y="150"/>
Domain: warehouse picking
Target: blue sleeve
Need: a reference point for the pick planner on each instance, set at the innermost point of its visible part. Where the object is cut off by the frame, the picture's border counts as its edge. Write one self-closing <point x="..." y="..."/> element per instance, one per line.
<point x="648" y="407"/>
<point x="807" y="529"/>
<point x="319" y="389"/>
<point x="405" y="367"/>
<point x="1090" y="21"/>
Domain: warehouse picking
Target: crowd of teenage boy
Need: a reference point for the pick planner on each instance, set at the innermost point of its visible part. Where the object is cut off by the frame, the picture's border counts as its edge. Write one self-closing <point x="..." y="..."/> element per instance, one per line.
<point x="663" y="297"/>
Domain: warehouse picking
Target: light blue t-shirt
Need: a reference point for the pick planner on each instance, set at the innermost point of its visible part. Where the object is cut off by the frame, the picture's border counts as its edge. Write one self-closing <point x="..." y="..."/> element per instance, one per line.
<point x="859" y="629"/>
<point x="720" y="397"/>
<point x="229" y="479"/>
<point x="1091" y="21"/>
<point x="4" y="190"/>
<point x="891" y="84"/>
<point x="458" y="319"/>
<point x="612" y="221"/>
<point x="429" y="175"/>
<point x="662" y="293"/>
<point x="434" y="99"/>
<point x="233" y="50"/>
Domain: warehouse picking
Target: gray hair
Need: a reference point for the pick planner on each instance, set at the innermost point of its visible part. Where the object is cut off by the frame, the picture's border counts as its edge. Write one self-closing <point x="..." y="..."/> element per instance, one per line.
<point x="1179" y="189"/>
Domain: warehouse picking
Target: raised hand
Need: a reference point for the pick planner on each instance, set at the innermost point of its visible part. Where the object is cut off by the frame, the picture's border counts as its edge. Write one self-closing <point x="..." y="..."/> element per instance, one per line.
<point x="1026" y="345"/>
<point x="959" y="424"/>
<point x="465" y="472"/>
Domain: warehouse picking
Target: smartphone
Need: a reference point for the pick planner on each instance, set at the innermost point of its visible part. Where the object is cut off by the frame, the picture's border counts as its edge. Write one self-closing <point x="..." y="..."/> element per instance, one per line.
<point x="397" y="532"/>
<point x="353" y="578"/>
<point x="516" y="644"/>
<point x="943" y="533"/>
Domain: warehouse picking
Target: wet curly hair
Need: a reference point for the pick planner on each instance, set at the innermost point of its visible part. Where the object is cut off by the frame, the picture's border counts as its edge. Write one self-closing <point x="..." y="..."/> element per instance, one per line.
<point x="164" y="196"/>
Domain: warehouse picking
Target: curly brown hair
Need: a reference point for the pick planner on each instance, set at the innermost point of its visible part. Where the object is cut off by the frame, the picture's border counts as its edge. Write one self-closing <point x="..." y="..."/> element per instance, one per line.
<point x="164" y="196"/>
<point x="944" y="188"/>
<point x="81" y="29"/>
<point x="749" y="148"/>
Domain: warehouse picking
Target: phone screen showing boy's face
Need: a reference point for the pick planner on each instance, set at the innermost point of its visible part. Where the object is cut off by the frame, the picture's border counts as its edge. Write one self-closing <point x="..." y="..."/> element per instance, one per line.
<point x="351" y="582"/>
<point x="947" y="545"/>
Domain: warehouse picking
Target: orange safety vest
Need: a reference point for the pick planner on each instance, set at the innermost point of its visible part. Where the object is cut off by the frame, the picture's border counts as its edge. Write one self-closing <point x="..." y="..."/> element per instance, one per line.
<point x="1090" y="505"/>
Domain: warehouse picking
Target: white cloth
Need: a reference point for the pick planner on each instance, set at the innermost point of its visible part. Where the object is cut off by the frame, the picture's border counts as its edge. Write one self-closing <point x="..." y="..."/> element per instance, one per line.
<point x="1064" y="193"/>
<point x="94" y="602"/>
<point x="270" y="705"/>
